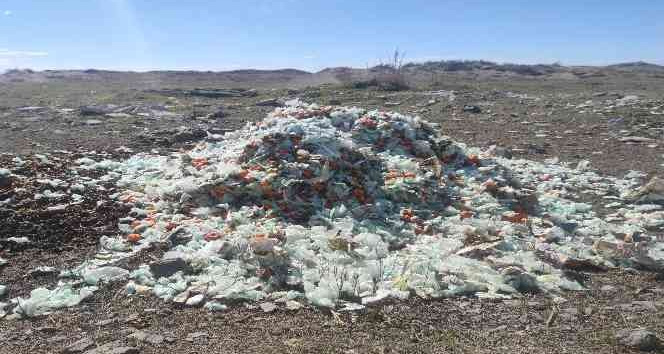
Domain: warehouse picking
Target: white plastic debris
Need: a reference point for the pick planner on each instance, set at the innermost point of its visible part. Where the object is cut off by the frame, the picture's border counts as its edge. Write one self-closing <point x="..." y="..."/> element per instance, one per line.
<point x="42" y="300"/>
<point x="92" y="276"/>
<point x="18" y="240"/>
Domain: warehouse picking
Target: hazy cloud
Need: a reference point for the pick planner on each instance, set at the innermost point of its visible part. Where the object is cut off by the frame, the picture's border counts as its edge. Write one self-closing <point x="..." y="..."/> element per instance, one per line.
<point x="5" y="53"/>
<point x="310" y="56"/>
<point x="7" y="13"/>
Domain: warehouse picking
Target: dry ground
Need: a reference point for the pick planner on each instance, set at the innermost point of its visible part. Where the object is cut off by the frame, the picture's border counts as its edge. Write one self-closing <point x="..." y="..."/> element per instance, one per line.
<point x="550" y="121"/>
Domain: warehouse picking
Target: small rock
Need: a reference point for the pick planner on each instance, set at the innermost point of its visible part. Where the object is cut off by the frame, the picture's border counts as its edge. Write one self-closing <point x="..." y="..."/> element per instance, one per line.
<point x="273" y="102"/>
<point x="42" y="271"/>
<point x="56" y="209"/>
<point x="636" y="139"/>
<point x="179" y="236"/>
<point x="31" y="109"/>
<point x="119" y="115"/>
<point x="472" y="109"/>
<point x="218" y="114"/>
<point x="503" y="152"/>
<point x="608" y="288"/>
<point x="268" y="306"/>
<point x="187" y="134"/>
<point x="115" y="347"/>
<point x="648" y="306"/>
<point x="197" y="337"/>
<point x="96" y="110"/>
<point x="499" y="329"/>
<point x="46" y="329"/>
<point x="79" y="346"/>
<point x="294" y="342"/>
<point x="147" y="337"/>
<point x="133" y="319"/>
<point x="107" y="322"/>
<point x="57" y="339"/>
<point x="93" y="122"/>
<point x="293" y="305"/>
<point x="168" y="267"/>
<point x="640" y="339"/>
<point x="181" y="298"/>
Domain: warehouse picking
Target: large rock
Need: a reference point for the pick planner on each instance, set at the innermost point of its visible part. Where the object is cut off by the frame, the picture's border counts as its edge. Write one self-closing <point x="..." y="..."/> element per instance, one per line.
<point x="5" y="178"/>
<point x="640" y="339"/>
<point x="94" y="110"/>
<point x="652" y="192"/>
<point x="270" y="103"/>
<point x="168" y="267"/>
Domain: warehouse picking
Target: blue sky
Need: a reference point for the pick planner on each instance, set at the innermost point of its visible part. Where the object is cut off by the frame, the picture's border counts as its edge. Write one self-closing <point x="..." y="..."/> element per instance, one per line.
<point x="312" y="34"/>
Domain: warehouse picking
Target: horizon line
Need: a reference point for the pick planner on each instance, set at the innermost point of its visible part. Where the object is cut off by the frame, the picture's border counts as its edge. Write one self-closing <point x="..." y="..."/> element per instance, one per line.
<point x="150" y="70"/>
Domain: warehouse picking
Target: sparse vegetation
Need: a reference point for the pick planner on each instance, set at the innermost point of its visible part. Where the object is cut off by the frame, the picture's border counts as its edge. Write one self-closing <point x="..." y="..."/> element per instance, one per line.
<point x="388" y="76"/>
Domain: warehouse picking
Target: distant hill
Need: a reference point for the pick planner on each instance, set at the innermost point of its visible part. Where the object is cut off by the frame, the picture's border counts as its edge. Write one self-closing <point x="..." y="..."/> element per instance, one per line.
<point x="417" y="72"/>
<point x="250" y="76"/>
<point x="640" y="66"/>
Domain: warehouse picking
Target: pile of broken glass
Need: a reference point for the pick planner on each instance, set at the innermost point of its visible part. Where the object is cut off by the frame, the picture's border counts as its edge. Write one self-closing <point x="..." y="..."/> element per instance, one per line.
<point x="338" y="206"/>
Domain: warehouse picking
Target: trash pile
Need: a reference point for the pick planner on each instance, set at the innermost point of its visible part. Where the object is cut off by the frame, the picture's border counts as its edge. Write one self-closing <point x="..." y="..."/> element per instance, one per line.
<point x="343" y="207"/>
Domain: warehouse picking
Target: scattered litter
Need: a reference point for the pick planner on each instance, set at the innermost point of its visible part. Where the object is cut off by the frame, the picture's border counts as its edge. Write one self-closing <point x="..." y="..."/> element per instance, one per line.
<point x="42" y="300"/>
<point x="92" y="276"/>
<point x="215" y="306"/>
<point x="19" y="240"/>
<point x="195" y="300"/>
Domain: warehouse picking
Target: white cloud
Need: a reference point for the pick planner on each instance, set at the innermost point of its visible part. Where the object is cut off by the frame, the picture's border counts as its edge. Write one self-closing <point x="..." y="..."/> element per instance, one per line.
<point x="21" y="53"/>
<point x="7" y="13"/>
<point x="311" y="56"/>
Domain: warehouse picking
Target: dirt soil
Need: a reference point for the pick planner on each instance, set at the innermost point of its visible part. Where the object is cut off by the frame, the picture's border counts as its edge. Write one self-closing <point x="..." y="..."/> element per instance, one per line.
<point x="594" y="119"/>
